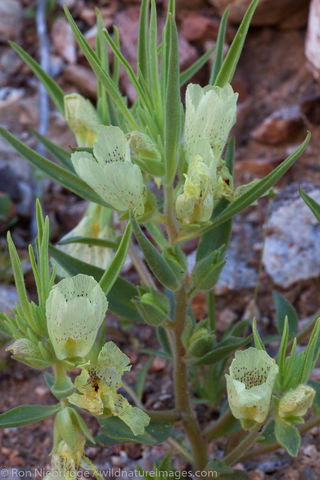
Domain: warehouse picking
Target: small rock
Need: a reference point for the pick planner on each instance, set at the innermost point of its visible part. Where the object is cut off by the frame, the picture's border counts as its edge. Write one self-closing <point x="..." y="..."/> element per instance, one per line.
<point x="42" y="391"/>
<point x="158" y="364"/>
<point x="10" y="63"/>
<point x="256" y="475"/>
<point x="63" y="40"/>
<point x="292" y="247"/>
<point x="200" y="28"/>
<point x="285" y="125"/>
<point x="82" y="78"/>
<point x="269" y="12"/>
<point x="8" y="297"/>
<point x="10" y="20"/>
<point x="313" y="38"/>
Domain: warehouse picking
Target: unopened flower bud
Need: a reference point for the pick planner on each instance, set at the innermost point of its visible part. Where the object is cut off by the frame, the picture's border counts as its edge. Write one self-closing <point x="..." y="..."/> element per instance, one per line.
<point x="81" y="118"/>
<point x="296" y="402"/>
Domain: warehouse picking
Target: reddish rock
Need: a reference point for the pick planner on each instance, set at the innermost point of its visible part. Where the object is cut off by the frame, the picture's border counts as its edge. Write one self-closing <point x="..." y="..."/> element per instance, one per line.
<point x="63" y="40"/>
<point x="200" y="28"/>
<point x="282" y="126"/>
<point x="82" y="78"/>
<point x="269" y="12"/>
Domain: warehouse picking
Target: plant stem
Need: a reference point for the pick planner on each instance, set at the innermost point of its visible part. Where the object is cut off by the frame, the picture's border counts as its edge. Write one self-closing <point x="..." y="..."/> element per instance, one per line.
<point x="313" y="422"/>
<point x="141" y="268"/>
<point x="163" y="415"/>
<point x="179" y="448"/>
<point x="216" y="429"/>
<point x="170" y="219"/>
<point x="244" y="445"/>
<point x="183" y="403"/>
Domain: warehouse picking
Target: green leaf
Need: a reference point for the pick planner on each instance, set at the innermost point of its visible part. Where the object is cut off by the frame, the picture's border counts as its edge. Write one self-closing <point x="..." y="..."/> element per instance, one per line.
<point x="120" y="295"/>
<point x="316" y="403"/>
<point x="311" y="354"/>
<point x="172" y="106"/>
<point x="258" y="189"/>
<point x="222" y="351"/>
<point x="154" y="259"/>
<point x="66" y="178"/>
<point x="27" y="414"/>
<point x="288" y="437"/>
<point x="141" y="378"/>
<point x="59" y="153"/>
<point x="156" y="353"/>
<point x="109" y="277"/>
<point x="94" y="62"/>
<point x="115" y="431"/>
<point x="52" y="87"/>
<point x="187" y="74"/>
<point x="285" y="309"/>
<point x="99" y="242"/>
<point x="258" y="343"/>
<point x="218" y="57"/>
<point x="143" y="53"/>
<point x="312" y="204"/>
<point x="228" y="67"/>
<point x="164" y="341"/>
<point x="283" y="348"/>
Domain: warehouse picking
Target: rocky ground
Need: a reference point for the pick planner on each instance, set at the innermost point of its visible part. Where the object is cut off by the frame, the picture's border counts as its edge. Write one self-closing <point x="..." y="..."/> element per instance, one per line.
<point x="279" y="99"/>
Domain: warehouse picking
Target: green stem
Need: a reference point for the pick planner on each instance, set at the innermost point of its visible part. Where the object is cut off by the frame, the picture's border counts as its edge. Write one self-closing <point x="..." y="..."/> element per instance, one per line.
<point x="243" y="446"/>
<point x="211" y="311"/>
<point x="217" y="428"/>
<point x="170" y="220"/>
<point x="313" y="422"/>
<point x="179" y="448"/>
<point x="63" y="385"/>
<point x="163" y="415"/>
<point x="183" y="403"/>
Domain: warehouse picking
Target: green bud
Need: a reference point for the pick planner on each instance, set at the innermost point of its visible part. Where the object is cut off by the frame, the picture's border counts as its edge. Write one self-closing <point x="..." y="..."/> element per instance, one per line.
<point x="75" y="309"/>
<point x="200" y="340"/>
<point x="26" y="351"/>
<point x="110" y="172"/>
<point x="67" y="428"/>
<point x="176" y="259"/>
<point x="147" y="153"/>
<point x="296" y="402"/>
<point x="249" y="385"/>
<point x="206" y="272"/>
<point x="81" y="118"/>
<point x="152" y="306"/>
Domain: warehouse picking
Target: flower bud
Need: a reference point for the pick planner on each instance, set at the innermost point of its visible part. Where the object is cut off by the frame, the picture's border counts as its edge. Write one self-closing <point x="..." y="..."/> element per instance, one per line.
<point x="200" y="341"/>
<point x="75" y="309"/>
<point x="249" y="385"/>
<point x="28" y="352"/>
<point x="176" y="259"/>
<point x="296" y="402"/>
<point x="81" y="118"/>
<point x="152" y="306"/>
<point x="206" y="272"/>
<point x="110" y="172"/>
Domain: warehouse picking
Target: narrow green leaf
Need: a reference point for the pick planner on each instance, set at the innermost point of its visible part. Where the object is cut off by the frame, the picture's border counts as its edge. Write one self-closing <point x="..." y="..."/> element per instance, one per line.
<point x="187" y="74"/>
<point x="164" y="341"/>
<point x="311" y="354"/>
<point x="258" y="189"/>
<point x="156" y="353"/>
<point x="102" y="54"/>
<point x="141" y="378"/>
<point x="52" y="87"/>
<point x="19" y="279"/>
<point x="228" y="67"/>
<point x="218" y="57"/>
<point x="116" y="64"/>
<point x="153" y="61"/>
<point x="172" y="108"/>
<point x="27" y="414"/>
<point x="120" y="295"/>
<point x="129" y="70"/>
<point x="143" y="50"/>
<point x="156" y="233"/>
<point x="312" y="204"/>
<point x="110" y="275"/>
<point x="258" y="343"/>
<point x="283" y="347"/>
<point x="115" y="431"/>
<point x="285" y="309"/>
<point x="154" y="259"/>
<point x="99" y="242"/>
<point x="288" y="437"/>
<point x="59" y="153"/>
<point x="222" y="351"/>
<point x="66" y="178"/>
<point x="94" y="62"/>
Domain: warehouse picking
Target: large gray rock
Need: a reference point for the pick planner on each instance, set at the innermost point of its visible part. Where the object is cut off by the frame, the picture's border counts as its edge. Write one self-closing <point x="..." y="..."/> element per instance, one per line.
<point x="292" y="248"/>
<point x="313" y="38"/>
<point x="269" y="12"/>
